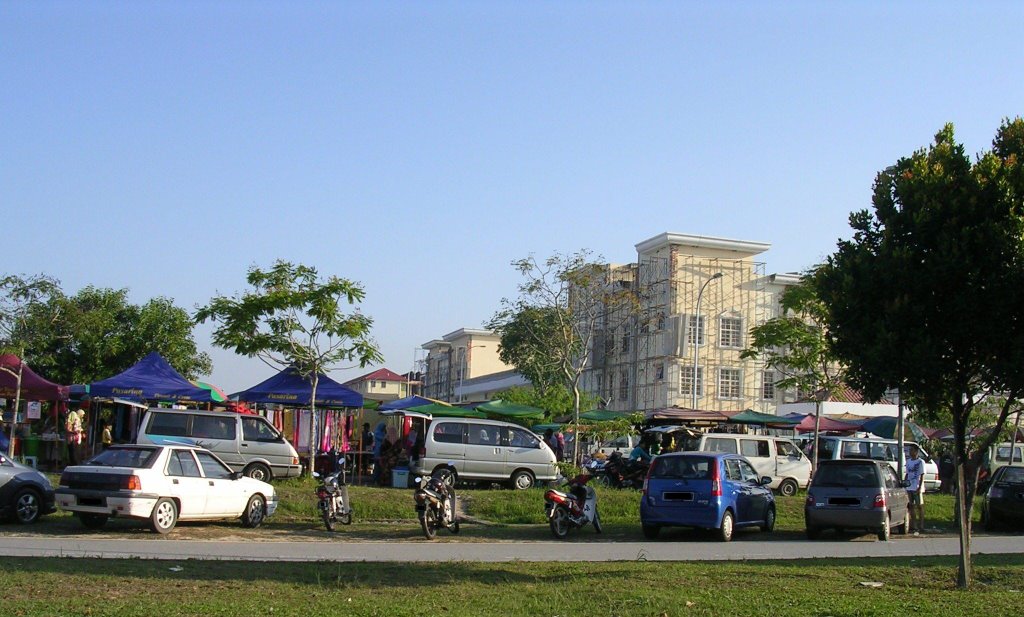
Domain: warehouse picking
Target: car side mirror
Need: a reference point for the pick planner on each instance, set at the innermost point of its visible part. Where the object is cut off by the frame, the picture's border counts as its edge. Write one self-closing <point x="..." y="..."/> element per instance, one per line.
<point x="765" y="481"/>
<point x="236" y="475"/>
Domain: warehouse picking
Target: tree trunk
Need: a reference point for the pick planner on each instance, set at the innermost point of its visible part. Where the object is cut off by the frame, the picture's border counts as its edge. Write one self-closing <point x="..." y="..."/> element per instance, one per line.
<point x="314" y="382"/>
<point x="817" y="431"/>
<point x="576" y="423"/>
<point x="964" y="498"/>
<point x="17" y="403"/>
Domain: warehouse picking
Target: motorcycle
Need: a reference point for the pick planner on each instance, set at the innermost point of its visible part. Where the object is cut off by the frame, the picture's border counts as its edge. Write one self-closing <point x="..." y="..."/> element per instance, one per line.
<point x="333" y="495"/>
<point x="573" y="508"/>
<point x="436" y="504"/>
<point x="623" y="473"/>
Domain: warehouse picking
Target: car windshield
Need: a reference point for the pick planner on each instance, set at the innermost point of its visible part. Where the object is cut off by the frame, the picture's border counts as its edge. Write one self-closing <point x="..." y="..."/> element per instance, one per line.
<point x="1012" y="475"/>
<point x="125" y="457"/>
<point x="858" y="476"/>
<point x="688" y="467"/>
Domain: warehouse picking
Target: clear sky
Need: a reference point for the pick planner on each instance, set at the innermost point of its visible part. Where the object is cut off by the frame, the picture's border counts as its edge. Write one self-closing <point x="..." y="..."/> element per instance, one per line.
<point x="420" y="147"/>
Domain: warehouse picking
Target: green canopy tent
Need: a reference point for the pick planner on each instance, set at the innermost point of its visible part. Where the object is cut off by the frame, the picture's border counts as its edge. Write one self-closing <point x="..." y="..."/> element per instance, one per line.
<point x="604" y="415"/>
<point x="442" y="410"/>
<point x="505" y="410"/>
<point x="750" y="416"/>
<point x="540" y="428"/>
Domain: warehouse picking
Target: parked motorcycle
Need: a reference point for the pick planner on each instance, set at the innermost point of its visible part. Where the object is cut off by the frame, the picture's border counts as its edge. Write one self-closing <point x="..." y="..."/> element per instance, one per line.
<point x="623" y="473"/>
<point x="573" y="508"/>
<point x="436" y="504"/>
<point x="333" y="495"/>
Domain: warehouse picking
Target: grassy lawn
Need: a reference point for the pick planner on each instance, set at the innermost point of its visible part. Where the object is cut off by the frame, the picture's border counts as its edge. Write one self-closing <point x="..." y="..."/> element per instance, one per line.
<point x="45" y="587"/>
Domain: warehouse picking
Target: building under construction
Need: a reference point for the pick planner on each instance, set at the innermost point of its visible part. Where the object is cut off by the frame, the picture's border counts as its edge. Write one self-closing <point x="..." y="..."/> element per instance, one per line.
<point x="678" y="344"/>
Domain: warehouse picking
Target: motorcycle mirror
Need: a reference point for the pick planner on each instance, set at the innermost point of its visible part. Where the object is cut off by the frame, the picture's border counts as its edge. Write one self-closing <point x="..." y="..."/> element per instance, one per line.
<point x="316" y="475"/>
<point x="418" y="479"/>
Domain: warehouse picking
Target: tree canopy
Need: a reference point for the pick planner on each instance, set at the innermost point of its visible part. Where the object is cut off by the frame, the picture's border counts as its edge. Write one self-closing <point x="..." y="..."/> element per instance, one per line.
<point x="926" y="297"/>
<point x="97" y="332"/>
<point x="292" y="317"/>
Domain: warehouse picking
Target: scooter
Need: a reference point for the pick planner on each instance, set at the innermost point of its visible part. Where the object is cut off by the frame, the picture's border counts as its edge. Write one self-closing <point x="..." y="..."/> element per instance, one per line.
<point x="573" y="508"/>
<point x="333" y="495"/>
<point x="436" y="504"/>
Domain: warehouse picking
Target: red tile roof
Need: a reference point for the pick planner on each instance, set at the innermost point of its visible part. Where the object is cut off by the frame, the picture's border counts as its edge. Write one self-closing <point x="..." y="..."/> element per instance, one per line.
<point x="381" y="374"/>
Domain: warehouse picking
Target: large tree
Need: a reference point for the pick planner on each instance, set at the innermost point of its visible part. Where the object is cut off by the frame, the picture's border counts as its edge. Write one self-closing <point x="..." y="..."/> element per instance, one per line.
<point x="795" y="344"/>
<point x="927" y="296"/>
<point x="98" y="333"/>
<point x="565" y="302"/>
<point x="526" y="338"/>
<point x="290" y="317"/>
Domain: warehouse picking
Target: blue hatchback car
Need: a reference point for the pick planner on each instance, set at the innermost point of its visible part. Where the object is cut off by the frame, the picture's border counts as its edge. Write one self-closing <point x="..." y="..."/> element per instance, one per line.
<point x="707" y="490"/>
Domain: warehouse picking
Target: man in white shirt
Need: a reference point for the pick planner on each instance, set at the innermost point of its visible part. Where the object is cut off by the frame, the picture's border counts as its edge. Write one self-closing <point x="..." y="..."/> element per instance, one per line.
<point x="915" y="487"/>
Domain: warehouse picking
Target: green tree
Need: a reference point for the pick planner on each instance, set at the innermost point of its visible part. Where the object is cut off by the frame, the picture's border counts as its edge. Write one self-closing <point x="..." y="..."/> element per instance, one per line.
<point x="796" y="345"/>
<point x="291" y="317"/>
<point x="926" y="296"/>
<point x="556" y="401"/>
<point x="98" y="333"/>
<point x="576" y="298"/>
<point x="526" y="335"/>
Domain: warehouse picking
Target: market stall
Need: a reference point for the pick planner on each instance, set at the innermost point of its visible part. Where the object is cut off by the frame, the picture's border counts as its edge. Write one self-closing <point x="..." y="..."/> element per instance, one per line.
<point x="35" y="422"/>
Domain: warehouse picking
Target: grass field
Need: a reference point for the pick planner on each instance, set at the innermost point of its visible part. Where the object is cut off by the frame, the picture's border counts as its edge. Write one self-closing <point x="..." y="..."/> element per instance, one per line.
<point x="52" y="587"/>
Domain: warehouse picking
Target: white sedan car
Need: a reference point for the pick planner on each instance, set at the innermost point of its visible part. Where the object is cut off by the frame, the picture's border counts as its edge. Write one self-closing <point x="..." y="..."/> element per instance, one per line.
<point x="162" y="484"/>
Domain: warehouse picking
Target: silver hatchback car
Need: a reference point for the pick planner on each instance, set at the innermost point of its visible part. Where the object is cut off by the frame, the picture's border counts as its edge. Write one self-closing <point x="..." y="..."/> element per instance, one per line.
<point x="856" y="494"/>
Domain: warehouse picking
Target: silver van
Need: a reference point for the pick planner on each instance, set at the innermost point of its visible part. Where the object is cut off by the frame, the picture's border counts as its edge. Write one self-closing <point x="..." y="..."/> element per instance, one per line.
<point x="838" y="448"/>
<point x="247" y="443"/>
<point x="478" y="449"/>
<point x="775" y="457"/>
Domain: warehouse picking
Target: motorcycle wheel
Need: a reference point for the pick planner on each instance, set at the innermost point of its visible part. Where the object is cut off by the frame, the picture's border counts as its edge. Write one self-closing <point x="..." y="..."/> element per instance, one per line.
<point x="328" y="519"/>
<point x="427" y="522"/>
<point x="597" y="521"/>
<point x="346" y="518"/>
<point x="455" y="527"/>
<point x="560" y="523"/>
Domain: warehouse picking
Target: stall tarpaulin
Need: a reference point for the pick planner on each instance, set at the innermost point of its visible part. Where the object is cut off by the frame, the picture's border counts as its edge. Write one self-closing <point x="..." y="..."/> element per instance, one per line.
<point x="150" y="379"/>
<point x="502" y="409"/>
<point x="409" y="402"/>
<point x="290" y="388"/>
<point x="33" y="387"/>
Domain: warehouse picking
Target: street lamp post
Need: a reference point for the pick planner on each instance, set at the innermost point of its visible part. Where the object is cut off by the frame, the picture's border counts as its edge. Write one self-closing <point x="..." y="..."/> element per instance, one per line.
<point x="696" y="338"/>
<point x="465" y="366"/>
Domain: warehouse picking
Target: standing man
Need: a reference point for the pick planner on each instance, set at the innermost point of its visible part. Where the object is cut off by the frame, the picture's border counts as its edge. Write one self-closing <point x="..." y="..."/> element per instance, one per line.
<point x="914" y="482"/>
<point x="74" y="429"/>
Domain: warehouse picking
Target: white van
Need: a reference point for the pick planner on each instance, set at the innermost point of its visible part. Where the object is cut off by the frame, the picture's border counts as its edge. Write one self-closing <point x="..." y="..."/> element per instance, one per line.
<point x="775" y="457"/>
<point x="999" y="455"/>
<point x="879" y="450"/>
<point x="478" y="449"/>
<point x="246" y="442"/>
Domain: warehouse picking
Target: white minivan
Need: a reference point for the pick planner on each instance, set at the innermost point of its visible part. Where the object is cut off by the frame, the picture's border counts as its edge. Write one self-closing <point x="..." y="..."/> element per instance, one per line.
<point x="775" y="457"/>
<point x="246" y="442"/>
<point x="833" y="447"/>
<point x="479" y="449"/>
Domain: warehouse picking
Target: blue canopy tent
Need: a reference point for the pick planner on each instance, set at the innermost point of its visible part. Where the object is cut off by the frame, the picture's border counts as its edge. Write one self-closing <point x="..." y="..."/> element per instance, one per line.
<point x="408" y="403"/>
<point x="290" y="388"/>
<point x="150" y="379"/>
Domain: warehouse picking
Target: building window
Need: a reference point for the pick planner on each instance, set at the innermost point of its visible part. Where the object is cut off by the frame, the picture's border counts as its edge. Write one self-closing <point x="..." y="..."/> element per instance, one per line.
<point x="661" y="322"/>
<point x="730" y="332"/>
<point x="768" y="385"/>
<point x="695" y="330"/>
<point x="624" y="386"/>
<point x="686" y="381"/>
<point x="659" y="372"/>
<point x="625" y="340"/>
<point x="729" y="383"/>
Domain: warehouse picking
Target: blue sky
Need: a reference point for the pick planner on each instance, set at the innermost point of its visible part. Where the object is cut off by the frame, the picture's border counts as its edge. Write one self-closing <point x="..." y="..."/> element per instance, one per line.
<point x="420" y="147"/>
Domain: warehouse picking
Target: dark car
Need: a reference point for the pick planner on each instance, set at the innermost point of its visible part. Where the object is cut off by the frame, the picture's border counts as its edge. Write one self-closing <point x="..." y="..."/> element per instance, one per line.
<point x="1004" y="500"/>
<point x="25" y="494"/>
<point x="707" y="490"/>
<point x="856" y="494"/>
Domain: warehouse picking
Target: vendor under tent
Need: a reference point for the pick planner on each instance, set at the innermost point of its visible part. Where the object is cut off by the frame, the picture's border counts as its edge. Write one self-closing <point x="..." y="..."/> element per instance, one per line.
<point x="18" y="382"/>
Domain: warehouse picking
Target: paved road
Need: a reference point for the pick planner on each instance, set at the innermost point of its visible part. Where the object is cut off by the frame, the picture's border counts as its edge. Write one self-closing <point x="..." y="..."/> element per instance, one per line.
<point x="495" y="551"/>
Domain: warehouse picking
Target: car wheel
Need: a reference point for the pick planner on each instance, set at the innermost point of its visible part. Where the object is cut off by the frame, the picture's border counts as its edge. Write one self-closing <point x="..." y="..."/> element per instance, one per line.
<point x="651" y="531"/>
<point x="769" y="520"/>
<point x="560" y="523"/>
<point x="258" y="471"/>
<point x="813" y="533"/>
<point x="164" y="516"/>
<point x="904" y="527"/>
<point x="726" y="529"/>
<point x="788" y="487"/>
<point x="885" y="530"/>
<point x="26" y="506"/>
<point x="522" y="480"/>
<point x="255" y="511"/>
<point x="93" y="521"/>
